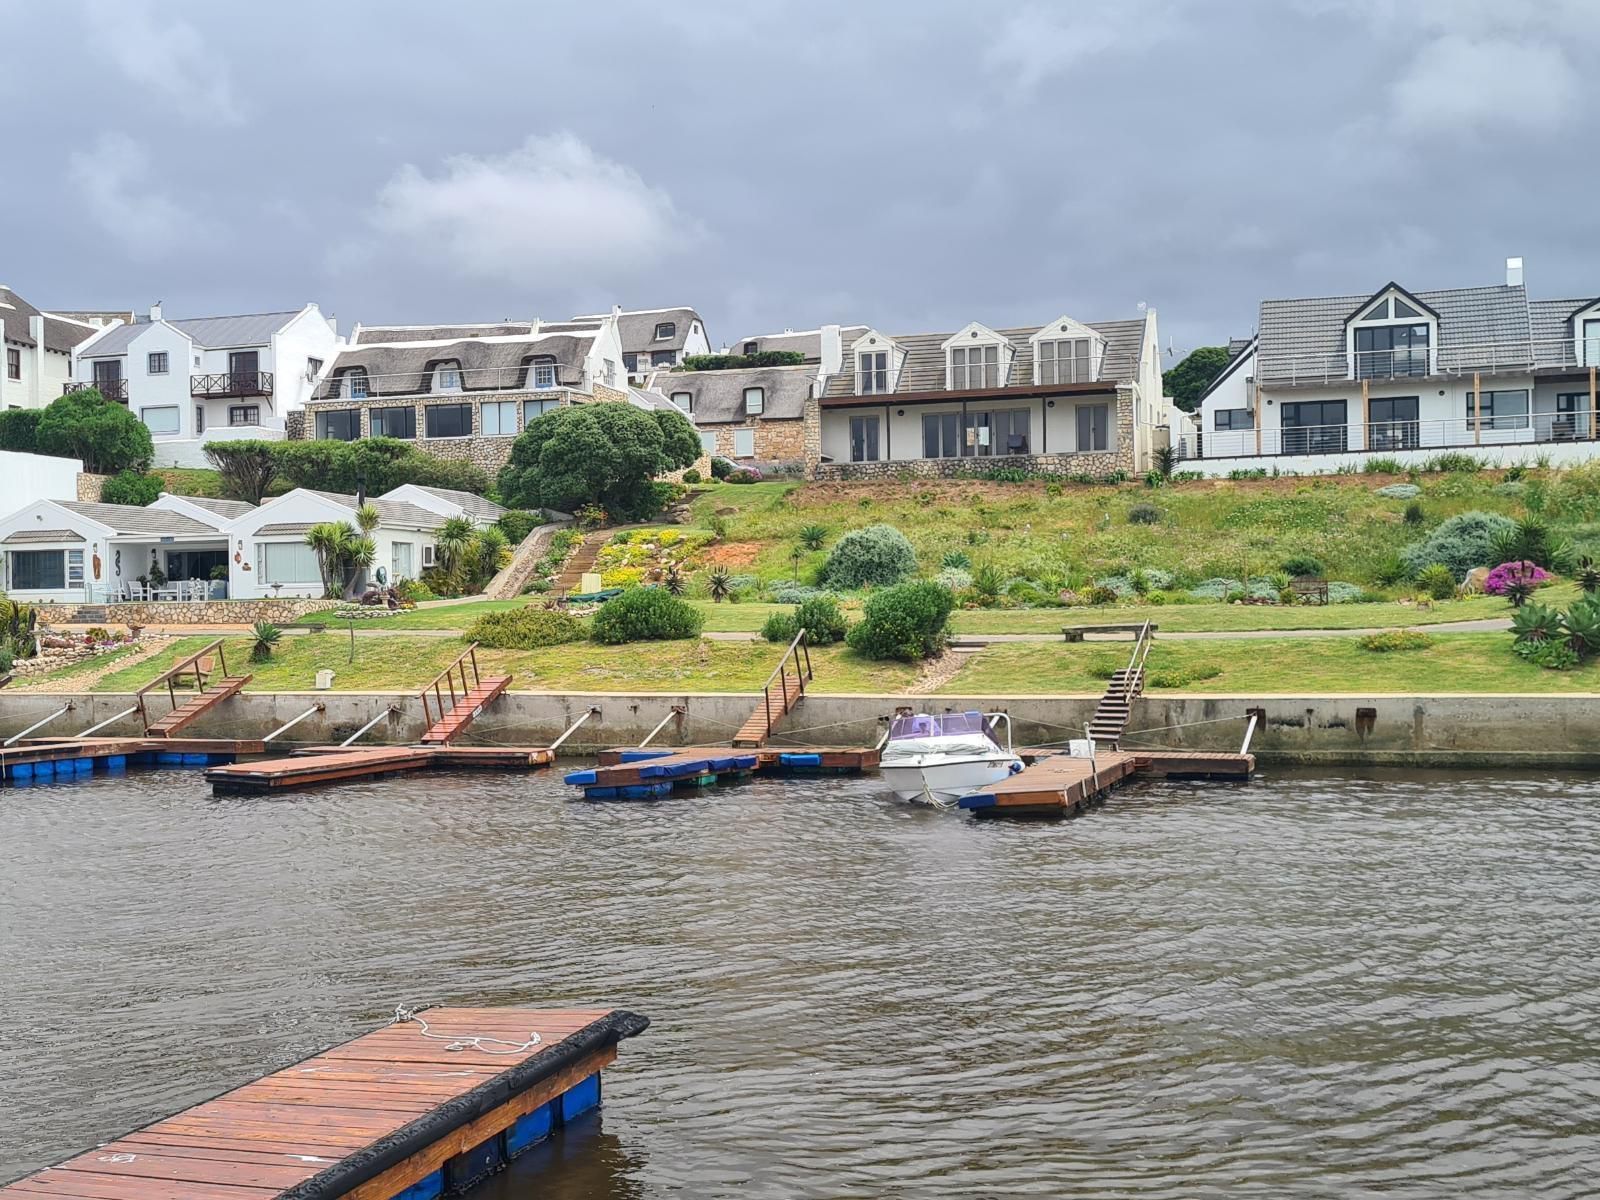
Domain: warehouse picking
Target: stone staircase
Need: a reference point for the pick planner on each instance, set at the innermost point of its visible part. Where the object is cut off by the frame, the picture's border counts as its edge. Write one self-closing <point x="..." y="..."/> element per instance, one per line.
<point x="89" y="614"/>
<point x="582" y="560"/>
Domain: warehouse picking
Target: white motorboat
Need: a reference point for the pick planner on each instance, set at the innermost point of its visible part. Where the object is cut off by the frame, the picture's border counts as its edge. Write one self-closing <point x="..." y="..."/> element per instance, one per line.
<point x="939" y="759"/>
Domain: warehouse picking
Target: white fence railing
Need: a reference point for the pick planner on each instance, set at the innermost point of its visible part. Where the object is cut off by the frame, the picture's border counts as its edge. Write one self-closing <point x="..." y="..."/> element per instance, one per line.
<point x="1489" y="358"/>
<point x="528" y="377"/>
<point x="1387" y="437"/>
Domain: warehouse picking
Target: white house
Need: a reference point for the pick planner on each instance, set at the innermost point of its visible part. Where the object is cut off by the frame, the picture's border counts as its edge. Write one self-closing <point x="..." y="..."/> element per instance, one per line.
<point x="448" y="502"/>
<point x="208" y="378"/>
<point x="653" y="338"/>
<point x="1331" y="381"/>
<point x="38" y="351"/>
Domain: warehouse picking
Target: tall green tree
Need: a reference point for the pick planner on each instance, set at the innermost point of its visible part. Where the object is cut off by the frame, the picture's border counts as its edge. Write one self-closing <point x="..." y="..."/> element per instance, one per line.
<point x="1193" y="375"/>
<point x="247" y="467"/>
<point x="105" y="436"/>
<point x="605" y="454"/>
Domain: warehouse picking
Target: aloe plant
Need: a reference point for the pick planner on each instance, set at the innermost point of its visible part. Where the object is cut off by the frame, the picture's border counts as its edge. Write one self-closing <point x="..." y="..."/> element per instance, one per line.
<point x="1588" y="575"/>
<point x="812" y="537"/>
<point x="1535" y="623"/>
<point x="1583" y="626"/>
<point x="720" y="584"/>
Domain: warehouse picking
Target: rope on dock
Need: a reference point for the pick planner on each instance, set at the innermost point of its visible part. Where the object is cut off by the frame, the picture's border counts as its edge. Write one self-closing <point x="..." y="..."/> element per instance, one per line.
<point x="465" y="1041"/>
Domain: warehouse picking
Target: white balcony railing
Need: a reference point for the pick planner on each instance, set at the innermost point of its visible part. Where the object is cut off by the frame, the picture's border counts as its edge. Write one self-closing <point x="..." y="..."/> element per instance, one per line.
<point x="1388" y="437"/>
<point x="533" y="377"/>
<point x="1488" y="358"/>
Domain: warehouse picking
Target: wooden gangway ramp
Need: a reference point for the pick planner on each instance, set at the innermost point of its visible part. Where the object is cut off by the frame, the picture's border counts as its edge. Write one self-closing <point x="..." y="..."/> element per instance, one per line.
<point x="477" y="692"/>
<point x="1054" y="783"/>
<point x="421" y="1107"/>
<point x="784" y="689"/>
<point x="644" y="773"/>
<point x="184" y="713"/>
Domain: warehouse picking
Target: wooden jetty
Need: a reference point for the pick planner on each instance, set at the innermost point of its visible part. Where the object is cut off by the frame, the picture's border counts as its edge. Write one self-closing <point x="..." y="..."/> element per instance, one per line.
<point x="315" y="766"/>
<point x="42" y="758"/>
<point x="183" y="714"/>
<point x="643" y="773"/>
<point x="1056" y="784"/>
<point x="784" y="689"/>
<point x="418" y="1109"/>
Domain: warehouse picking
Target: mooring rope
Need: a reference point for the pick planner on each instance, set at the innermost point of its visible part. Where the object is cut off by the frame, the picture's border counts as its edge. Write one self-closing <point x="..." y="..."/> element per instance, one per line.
<point x="465" y="1041"/>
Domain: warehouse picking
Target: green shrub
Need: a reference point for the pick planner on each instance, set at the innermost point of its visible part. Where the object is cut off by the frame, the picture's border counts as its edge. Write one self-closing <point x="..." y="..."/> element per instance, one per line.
<point x="1414" y="514"/>
<point x="1302" y="564"/>
<point x="1384" y="466"/>
<point x="415" y="590"/>
<point x="1395" y="640"/>
<point x="1101" y="594"/>
<point x="265" y="636"/>
<point x="877" y="556"/>
<point x="733" y="362"/>
<point x="1103" y="667"/>
<point x="1144" y="514"/>
<point x="780" y="627"/>
<point x="691" y="476"/>
<point x="19" y="429"/>
<point x="820" y="617"/>
<point x="1461" y="542"/>
<point x="1390" y="570"/>
<point x="1437" y="580"/>
<point x="1455" y="462"/>
<point x="131" y="487"/>
<point x="955" y="579"/>
<point x="987" y="583"/>
<point x="1532" y="540"/>
<point x="905" y="622"/>
<point x="526" y="628"/>
<point x="104" y="435"/>
<point x="959" y="560"/>
<point x="814" y="537"/>
<point x="603" y="454"/>
<point x="645" y="615"/>
<point x="517" y="524"/>
<point x="1180" y="677"/>
<point x="1399" y="491"/>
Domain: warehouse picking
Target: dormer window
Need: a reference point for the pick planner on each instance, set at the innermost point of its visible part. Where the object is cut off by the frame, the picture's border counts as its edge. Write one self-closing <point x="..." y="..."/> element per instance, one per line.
<point x="665" y="331"/>
<point x="974" y="367"/>
<point x="684" y="400"/>
<point x="447" y="377"/>
<point x="755" y="401"/>
<point x="872" y="376"/>
<point x="355" y="383"/>
<point x="541" y="373"/>
<point x="1066" y="360"/>
<point x="752" y="347"/>
<point x="1391" y="336"/>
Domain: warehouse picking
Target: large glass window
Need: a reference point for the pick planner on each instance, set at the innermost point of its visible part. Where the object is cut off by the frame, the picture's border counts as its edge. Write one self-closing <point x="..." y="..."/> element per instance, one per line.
<point x="162" y="419"/>
<point x="1501" y="410"/>
<point x="40" y="570"/>
<point x="1094" y="427"/>
<point x="339" y="424"/>
<point x="1314" y="427"/>
<point x="989" y="433"/>
<point x="872" y="377"/>
<point x="532" y="410"/>
<point x="449" y="420"/>
<point x="499" y="418"/>
<point x="1068" y="360"/>
<point x="393" y="422"/>
<point x="630" y="363"/>
<point x="1570" y="420"/>
<point x="289" y="563"/>
<point x="400" y="560"/>
<point x="974" y="367"/>
<point x="1589" y="342"/>
<point x="663" y="358"/>
<point x="1233" y="418"/>
<point x="665" y="330"/>
<point x="941" y="435"/>
<point x="1393" y="423"/>
<point x="864" y="439"/>
<point x="1386" y="350"/>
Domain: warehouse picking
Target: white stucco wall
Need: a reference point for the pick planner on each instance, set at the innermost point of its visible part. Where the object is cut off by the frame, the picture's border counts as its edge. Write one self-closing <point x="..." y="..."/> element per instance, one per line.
<point x="1050" y="430"/>
<point x="302" y="507"/>
<point x="25" y="478"/>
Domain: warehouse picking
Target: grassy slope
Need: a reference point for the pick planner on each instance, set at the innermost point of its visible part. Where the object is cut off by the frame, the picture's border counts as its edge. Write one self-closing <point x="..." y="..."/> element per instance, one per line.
<point x="1456" y="662"/>
<point x="405" y="664"/>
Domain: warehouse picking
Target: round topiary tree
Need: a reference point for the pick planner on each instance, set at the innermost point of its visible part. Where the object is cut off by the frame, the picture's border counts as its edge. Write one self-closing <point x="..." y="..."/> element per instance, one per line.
<point x="877" y="556"/>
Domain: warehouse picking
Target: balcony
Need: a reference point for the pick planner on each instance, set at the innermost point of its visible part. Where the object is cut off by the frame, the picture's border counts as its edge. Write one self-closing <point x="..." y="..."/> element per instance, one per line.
<point x="1522" y="356"/>
<point x="111" y="389"/>
<point x="231" y="384"/>
<point x="536" y="377"/>
<point x="1388" y="437"/>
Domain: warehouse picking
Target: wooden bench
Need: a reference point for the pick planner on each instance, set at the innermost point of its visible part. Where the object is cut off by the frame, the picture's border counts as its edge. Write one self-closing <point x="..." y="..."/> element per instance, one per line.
<point x="1074" y="633"/>
<point x="1309" y="587"/>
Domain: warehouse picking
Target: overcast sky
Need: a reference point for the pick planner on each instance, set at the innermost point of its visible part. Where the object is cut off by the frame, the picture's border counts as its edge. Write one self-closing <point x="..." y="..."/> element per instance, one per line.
<point x="911" y="166"/>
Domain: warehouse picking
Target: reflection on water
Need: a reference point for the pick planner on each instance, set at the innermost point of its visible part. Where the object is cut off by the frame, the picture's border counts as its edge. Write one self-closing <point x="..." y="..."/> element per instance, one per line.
<point x="1310" y="986"/>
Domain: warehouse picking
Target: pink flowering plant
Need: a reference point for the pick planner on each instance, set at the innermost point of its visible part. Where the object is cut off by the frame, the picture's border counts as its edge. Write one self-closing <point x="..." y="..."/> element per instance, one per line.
<point x="1516" y="581"/>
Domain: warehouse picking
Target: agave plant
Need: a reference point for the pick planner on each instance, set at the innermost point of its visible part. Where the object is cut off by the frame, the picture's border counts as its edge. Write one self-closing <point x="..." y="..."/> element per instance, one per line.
<point x="812" y="537"/>
<point x="266" y="636"/>
<point x="987" y="582"/>
<point x="1535" y="623"/>
<point x="720" y="584"/>
<point x="1583" y="626"/>
<point x="1588" y="576"/>
<point x="673" y="580"/>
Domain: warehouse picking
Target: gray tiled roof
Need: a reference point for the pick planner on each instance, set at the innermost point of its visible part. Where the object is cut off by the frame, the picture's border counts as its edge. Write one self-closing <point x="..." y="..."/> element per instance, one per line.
<point x="212" y="333"/>
<point x="285" y="529"/>
<point x="228" y="509"/>
<point x="1550" y="326"/>
<point x="638" y="328"/>
<point x="59" y="335"/>
<point x="133" y="520"/>
<point x="44" y="535"/>
<point x="1306" y="338"/>
<point x="718" y="396"/>
<point x="473" y="506"/>
<point x="807" y="341"/>
<point x="405" y="369"/>
<point x="924" y="369"/>
<point x="1237" y="346"/>
<point x="390" y="512"/>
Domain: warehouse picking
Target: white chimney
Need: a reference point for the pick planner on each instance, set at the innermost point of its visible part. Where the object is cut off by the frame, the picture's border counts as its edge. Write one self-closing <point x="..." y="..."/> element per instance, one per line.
<point x="1513" y="272"/>
<point x="155" y="312"/>
<point x="832" y="350"/>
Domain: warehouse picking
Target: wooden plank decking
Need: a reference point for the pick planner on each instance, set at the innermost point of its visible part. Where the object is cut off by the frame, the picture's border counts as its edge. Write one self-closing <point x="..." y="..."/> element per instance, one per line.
<point x="192" y="709"/>
<point x="1053" y="783"/>
<point x="313" y="766"/>
<point x="365" y="1120"/>
<point x="466" y="710"/>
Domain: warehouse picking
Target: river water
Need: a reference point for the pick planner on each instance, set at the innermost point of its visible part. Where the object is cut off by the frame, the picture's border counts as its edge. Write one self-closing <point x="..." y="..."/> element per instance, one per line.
<point x="1313" y="985"/>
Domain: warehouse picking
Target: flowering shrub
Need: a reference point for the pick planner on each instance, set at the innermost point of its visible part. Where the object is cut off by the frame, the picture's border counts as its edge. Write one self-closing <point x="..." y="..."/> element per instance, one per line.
<point x="1508" y="577"/>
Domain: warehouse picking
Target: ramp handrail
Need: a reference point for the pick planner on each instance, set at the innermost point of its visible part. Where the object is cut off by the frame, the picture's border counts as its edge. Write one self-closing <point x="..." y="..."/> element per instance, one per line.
<point x="447" y="678"/>
<point x="1141" y="651"/>
<point x="170" y="675"/>
<point x="802" y="672"/>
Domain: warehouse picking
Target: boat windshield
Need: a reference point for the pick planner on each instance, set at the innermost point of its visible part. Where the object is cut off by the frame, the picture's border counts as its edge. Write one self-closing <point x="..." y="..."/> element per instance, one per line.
<point x="922" y="725"/>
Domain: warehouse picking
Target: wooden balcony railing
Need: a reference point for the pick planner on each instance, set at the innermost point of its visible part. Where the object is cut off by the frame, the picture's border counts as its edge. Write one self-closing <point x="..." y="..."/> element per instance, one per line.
<point x="111" y="389"/>
<point x="231" y="383"/>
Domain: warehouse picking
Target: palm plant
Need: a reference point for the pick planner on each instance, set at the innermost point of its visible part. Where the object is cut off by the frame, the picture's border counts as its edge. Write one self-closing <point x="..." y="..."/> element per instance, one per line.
<point x="987" y="582"/>
<point x="673" y="580"/>
<point x="331" y="540"/>
<point x="720" y="584"/>
<point x="266" y="636"/>
<point x="812" y="537"/>
<point x="487" y="554"/>
<point x="1166" y="460"/>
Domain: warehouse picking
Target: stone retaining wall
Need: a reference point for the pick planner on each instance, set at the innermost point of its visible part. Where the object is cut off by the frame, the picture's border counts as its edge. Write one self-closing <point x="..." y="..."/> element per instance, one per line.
<point x="89" y="487"/>
<point x="1098" y="465"/>
<point x="197" y="612"/>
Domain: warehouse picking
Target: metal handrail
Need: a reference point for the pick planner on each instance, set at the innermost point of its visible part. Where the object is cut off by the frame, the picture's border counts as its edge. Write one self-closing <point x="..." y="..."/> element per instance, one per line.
<point x="797" y="649"/>
<point x="171" y="674"/>
<point x="1385" y="437"/>
<point x="524" y="377"/>
<point x="447" y="678"/>
<point x="1141" y="651"/>
<point x="1516" y="354"/>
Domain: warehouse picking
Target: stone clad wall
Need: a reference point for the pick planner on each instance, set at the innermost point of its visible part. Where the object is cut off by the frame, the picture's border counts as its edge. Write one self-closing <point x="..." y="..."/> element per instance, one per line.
<point x="1098" y="466"/>
<point x="776" y="440"/>
<point x="89" y="487"/>
<point x="197" y="612"/>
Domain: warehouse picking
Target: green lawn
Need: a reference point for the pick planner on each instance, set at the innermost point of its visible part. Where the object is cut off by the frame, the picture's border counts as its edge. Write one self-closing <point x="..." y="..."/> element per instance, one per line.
<point x="1455" y="662"/>
<point x="446" y="616"/>
<point x="406" y="664"/>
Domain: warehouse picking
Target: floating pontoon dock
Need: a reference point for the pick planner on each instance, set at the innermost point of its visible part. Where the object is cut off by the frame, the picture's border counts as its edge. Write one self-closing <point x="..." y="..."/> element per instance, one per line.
<point x="1057" y="784"/>
<point x="43" y="758"/>
<point x="641" y="773"/>
<point x="420" y="1108"/>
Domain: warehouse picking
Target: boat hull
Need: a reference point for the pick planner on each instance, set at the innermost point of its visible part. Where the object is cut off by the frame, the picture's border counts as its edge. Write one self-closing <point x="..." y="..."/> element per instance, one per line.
<point x="944" y="781"/>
